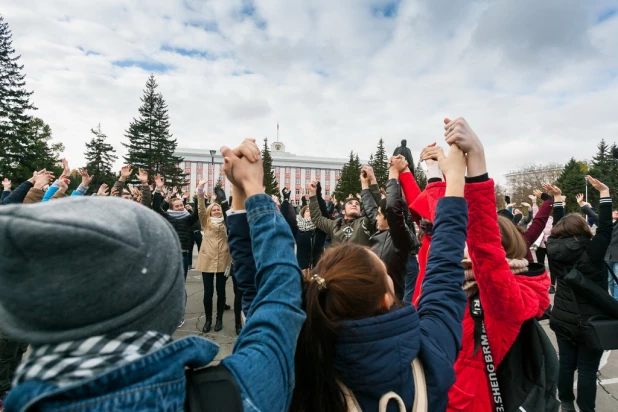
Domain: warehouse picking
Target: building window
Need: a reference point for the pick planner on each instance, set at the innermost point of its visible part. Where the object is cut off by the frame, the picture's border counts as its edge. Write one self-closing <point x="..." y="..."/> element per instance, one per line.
<point x="287" y="180"/>
<point x="298" y="191"/>
<point x="327" y="192"/>
<point x="288" y="169"/>
<point x="277" y="169"/>
<point x="337" y="173"/>
<point x="298" y="180"/>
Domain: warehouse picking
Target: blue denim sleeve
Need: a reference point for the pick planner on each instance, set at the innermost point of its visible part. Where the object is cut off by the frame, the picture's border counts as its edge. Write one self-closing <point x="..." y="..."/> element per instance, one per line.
<point x="263" y="358"/>
<point x="239" y="241"/>
<point x="443" y="301"/>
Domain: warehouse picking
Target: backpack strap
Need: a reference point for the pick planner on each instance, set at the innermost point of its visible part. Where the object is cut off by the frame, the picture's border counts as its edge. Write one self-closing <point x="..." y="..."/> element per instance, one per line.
<point x="420" y="393"/>
<point x="420" y="387"/>
<point x="476" y="311"/>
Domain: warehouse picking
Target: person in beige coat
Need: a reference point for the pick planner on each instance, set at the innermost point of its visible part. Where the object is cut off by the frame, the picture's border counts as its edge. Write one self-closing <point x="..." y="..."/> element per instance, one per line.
<point x="214" y="258"/>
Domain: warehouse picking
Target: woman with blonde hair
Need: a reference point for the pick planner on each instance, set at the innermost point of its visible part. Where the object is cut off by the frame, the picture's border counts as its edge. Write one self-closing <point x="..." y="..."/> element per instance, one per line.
<point x="214" y="258"/>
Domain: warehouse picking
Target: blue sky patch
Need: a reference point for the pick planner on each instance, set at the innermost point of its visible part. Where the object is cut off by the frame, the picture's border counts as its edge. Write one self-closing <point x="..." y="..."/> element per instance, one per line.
<point x="606" y="15"/>
<point x="189" y="52"/>
<point x="148" y="66"/>
<point x="388" y="10"/>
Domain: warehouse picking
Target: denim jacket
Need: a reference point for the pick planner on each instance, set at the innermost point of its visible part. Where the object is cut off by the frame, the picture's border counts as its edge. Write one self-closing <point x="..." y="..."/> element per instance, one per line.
<point x="263" y="359"/>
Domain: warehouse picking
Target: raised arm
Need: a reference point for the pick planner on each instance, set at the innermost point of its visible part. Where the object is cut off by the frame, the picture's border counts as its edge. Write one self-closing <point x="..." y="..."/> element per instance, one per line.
<point x="266" y="345"/>
<point x="325" y="225"/>
<point x="442" y="303"/>
<point x="321" y="200"/>
<point x="288" y="211"/>
<point x="19" y="194"/>
<point x="157" y="198"/>
<point x="540" y="220"/>
<point x="603" y="237"/>
<point x="586" y="209"/>
<point x="395" y="207"/>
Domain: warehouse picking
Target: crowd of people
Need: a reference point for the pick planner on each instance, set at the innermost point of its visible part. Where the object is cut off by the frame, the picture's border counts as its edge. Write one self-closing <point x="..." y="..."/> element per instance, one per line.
<point x="395" y="299"/>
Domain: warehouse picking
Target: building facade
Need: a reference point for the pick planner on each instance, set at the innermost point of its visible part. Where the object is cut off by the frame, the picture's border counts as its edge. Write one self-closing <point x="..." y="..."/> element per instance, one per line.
<point x="292" y="171"/>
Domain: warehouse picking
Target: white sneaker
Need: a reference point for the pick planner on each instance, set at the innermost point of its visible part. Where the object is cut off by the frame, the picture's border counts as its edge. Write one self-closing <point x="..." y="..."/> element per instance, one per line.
<point x="182" y="322"/>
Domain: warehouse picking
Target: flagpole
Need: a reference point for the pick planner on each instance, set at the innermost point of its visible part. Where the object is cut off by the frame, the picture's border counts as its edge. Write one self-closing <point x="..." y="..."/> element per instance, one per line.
<point x="277" y="132"/>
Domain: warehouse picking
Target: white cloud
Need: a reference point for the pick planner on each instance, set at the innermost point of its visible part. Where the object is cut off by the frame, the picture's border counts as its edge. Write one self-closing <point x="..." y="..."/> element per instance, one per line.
<point x="538" y="81"/>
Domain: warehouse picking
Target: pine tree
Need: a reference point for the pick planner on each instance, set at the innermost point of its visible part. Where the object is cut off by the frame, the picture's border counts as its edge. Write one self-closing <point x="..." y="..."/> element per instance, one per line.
<point x="572" y="182"/>
<point x="100" y="157"/>
<point x="270" y="181"/>
<point x="151" y="146"/>
<point x="379" y="162"/>
<point x="602" y="167"/>
<point x="43" y="154"/>
<point x="349" y="178"/>
<point x="15" y="131"/>
<point x="166" y="163"/>
<point x="420" y="176"/>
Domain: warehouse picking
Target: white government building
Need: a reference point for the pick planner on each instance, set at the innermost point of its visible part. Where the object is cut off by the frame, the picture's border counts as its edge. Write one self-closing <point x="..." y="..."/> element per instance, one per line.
<point x="295" y="172"/>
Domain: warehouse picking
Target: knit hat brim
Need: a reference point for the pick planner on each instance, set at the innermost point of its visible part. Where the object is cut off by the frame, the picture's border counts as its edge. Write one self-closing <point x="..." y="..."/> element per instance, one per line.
<point x="81" y="267"/>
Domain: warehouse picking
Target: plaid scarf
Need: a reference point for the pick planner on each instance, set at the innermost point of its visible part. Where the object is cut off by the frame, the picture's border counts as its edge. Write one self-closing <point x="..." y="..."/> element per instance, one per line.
<point x="471" y="288"/>
<point x="304" y="225"/>
<point x="69" y="362"/>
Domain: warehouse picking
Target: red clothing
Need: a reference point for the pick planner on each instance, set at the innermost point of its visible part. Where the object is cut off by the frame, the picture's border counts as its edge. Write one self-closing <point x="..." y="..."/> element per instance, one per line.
<point x="421" y="205"/>
<point x="538" y="225"/>
<point x="507" y="299"/>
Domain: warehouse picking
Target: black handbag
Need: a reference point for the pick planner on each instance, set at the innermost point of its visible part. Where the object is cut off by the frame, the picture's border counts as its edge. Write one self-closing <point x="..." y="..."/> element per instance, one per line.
<point x="598" y="332"/>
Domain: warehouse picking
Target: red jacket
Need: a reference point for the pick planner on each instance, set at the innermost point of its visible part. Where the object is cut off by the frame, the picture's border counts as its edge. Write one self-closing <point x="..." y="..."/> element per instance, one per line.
<point x="538" y="225"/>
<point x="507" y="300"/>
<point x="421" y="205"/>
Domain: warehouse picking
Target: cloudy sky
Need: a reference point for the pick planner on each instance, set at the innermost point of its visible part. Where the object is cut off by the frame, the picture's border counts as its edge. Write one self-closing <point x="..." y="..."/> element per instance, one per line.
<point x="537" y="80"/>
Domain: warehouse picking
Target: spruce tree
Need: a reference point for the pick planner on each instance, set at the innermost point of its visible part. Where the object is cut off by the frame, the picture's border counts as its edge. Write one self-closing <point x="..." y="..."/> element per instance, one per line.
<point x="379" y="162"/>
<point x="100" y="157"/>
<point x="151" y="146"/>
<point x="349" y="178"/>
<point x="572" y="182"/>
<point x="270" y="181"/>
<point x="166" y="163"/>
<point x="602" y="167"/>
<point x="420" y="176"/>
<point x="15" y="131"/>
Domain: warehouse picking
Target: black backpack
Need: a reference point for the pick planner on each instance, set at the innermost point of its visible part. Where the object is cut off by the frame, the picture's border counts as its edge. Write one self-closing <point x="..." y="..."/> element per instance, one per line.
<point x="528" y="375"/>
<point x="212" y="389"/>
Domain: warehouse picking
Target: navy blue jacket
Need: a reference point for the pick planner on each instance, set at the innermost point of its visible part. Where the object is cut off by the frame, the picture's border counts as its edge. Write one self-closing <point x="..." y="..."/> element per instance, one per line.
<point x="374" y="355"/>
<point x="18" y="195"/>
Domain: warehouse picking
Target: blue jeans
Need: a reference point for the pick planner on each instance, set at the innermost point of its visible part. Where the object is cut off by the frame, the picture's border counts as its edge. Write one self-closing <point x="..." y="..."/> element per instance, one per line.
<point x="410" y="279"/>
<point x="613" y="288"/>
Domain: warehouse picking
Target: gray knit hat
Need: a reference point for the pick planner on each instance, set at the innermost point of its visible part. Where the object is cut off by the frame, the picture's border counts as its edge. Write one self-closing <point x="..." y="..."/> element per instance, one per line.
<point x="81" y="267"/>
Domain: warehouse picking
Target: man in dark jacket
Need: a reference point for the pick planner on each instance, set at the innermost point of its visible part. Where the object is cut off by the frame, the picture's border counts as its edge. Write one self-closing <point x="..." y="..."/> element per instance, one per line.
<point x="353" y="227"/>
<point x="181" y="220"/>
<point x="393" y="240"/>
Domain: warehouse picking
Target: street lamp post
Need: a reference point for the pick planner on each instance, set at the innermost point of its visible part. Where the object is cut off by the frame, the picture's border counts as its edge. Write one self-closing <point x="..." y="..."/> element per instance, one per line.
<point x="212" y="157"/>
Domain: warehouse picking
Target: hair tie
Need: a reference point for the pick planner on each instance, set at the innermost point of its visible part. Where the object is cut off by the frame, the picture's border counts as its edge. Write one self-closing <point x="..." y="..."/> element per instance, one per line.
<point x="320" y="280"/>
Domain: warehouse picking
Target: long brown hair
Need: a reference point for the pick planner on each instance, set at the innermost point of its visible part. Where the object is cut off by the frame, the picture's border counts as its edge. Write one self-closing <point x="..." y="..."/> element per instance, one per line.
<point x="513" y="242"/>
<point x="572" y="225"/>
<point x="354" y="287"/>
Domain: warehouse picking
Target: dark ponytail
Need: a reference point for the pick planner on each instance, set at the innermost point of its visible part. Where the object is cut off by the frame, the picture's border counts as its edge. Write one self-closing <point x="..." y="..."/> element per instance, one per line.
<point x="354" y="285"/>
<point x="316" y="378"/>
